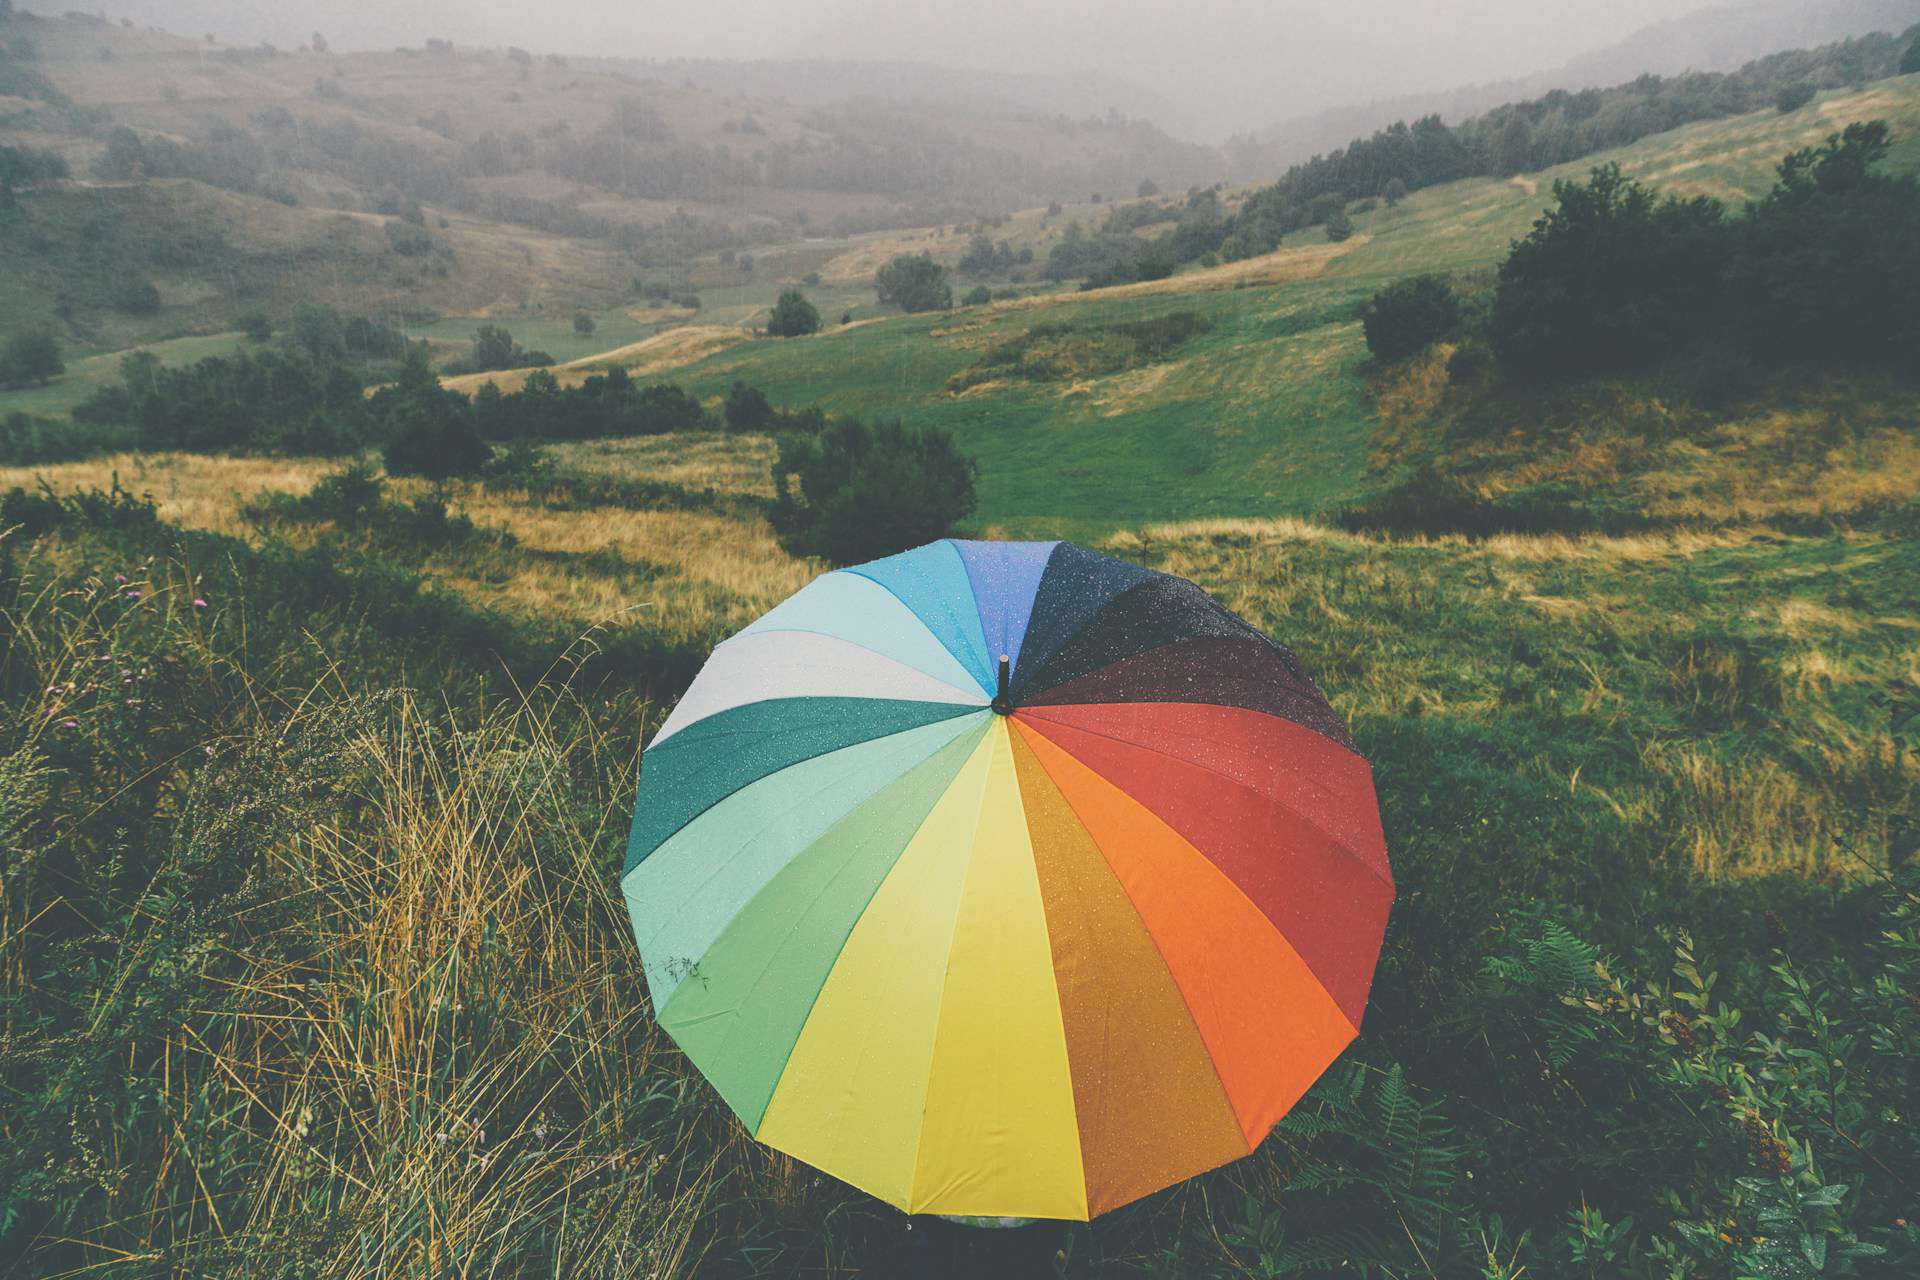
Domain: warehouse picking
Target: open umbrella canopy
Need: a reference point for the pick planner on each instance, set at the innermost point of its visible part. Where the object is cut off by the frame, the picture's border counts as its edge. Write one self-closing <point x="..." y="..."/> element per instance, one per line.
<point x="1007" y="878"/>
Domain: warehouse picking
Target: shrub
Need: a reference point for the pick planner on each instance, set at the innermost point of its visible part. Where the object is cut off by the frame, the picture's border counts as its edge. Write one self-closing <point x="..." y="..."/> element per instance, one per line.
<point x="746" y="408"/>
<point x="136" y="297"/>
<point x="1793" y="97"/>
<point x="914" y="282"/>
<point x="1408" y="316"/>
<point x="1339" y="228"/>
<point x="1608" y="279"/>
<point x="852" y="493"/>
<point x="408" y="240"/>
<point x="255" y="325"/>
<point x="584" y="325"/>
<point x="793" y="316"/>
<point x="30" y="359"/>
<point x="979" y="295"/>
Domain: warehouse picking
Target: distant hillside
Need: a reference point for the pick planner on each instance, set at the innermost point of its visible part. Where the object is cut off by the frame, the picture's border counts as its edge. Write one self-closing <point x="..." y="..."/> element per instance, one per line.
<point x="1723" y="38"/>
<point x="585" y="146"/>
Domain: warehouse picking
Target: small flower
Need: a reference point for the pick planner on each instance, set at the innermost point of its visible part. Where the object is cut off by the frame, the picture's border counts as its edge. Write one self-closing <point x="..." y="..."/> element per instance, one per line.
<point x="199" y="603"/>
<point x="120" y="578"/>
<point x="69" y="724"/>
<point x="134" y="594"/>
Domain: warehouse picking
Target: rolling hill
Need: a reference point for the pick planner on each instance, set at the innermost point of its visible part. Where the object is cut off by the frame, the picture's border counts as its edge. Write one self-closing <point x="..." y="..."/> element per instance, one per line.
<point x="1719" y="39"/>
<point x="1271" y="406"/>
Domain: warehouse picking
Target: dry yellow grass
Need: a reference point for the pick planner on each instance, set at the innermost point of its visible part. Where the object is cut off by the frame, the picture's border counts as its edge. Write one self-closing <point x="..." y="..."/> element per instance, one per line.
<point x="691" y="576"/>
<point x="696" y="460"/>
<point x="649" y="356"/>
<point x="191" y="490"/>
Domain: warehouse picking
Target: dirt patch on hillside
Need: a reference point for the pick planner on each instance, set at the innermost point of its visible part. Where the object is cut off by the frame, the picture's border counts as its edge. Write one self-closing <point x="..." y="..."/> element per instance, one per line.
<point x="649" y="356"/>
<point x="1283" y="266"/>
<point x="858" y="265"/>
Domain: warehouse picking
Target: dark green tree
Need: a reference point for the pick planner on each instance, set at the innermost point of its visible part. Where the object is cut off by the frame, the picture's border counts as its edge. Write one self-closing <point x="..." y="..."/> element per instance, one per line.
<point x="1609" y="278"/>
<point x="851" y="493"/>
<point x="584" y="325"/>
<point x="1793" y="97"/>
<point x="793" y="316"/>
<point x="914" y="282"/>
<point x="136" y="297"/>
<point x="430" y="430"/>
<point x="1340" y="227"/>
<point x="1408" y="316"/>
<point x="1910" y="60"/>
<point x="494" y="348"/>
<point x="746" y="408"/>
<point x="1828" y="264"/>
<point x="256" y="325"/>
<point x="30" y="359"/>
<point x="1394" y="192"/>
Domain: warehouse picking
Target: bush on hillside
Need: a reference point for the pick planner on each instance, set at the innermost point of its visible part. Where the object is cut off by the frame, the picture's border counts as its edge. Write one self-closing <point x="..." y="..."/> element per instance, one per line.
<point x="1825" y="269"/>
<point x="793" y="316"/>
<point x="1608" y="278"/>
<point x="1827" y="266"/>
<point x="851" y="493"/>
<point x="977" y="296"/>
<point x="747" y="408"/>
<point x="430" y="431"/>
<point x="914" y="282"/>
<point x="136" y="297"/>
<point x="1793" y="97"/>
<point x="1408" y="316"/>
<point x="30" y="359"/>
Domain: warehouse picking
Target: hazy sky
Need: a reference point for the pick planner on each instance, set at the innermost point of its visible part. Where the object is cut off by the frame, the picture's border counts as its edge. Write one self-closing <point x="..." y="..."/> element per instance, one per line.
<point x="1227" y="63"/>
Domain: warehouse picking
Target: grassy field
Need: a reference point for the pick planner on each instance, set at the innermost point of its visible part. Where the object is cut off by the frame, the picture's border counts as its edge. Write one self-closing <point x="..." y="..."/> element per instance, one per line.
<point x="419" y="1031"/>
<point x="1266" y="414"/>
<point x="313" y="960"/>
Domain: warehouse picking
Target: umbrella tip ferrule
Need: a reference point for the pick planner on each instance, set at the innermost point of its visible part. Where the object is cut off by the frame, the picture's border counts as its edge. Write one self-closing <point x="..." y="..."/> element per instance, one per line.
<point x="1002" y="705"/>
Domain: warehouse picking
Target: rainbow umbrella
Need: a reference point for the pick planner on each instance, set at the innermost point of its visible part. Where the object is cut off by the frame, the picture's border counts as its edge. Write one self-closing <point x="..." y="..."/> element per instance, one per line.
<point x="1005" y="878"/>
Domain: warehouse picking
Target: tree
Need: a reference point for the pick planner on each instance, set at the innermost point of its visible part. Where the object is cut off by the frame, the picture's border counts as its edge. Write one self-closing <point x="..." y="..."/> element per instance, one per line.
<point x="319" y="43"/>
<point x="1394" y="192"/>
<point x="30" y="359"/>
<point x="494" y="348"/>
<point x="1827" y="266"/>
<point x="747" y="409"/>
<point x="136" y="297"/>
<point x="979" y="295"/>
<point x="256" y="325"/>
<point x="793" y="316"/>
<point x="1339" y="228"/>
<point x="1148" y="188"/>
<point x="1910" y="61"/>
<point x="1792" y="98"/>
<point x="914" y="282"/>
<point x="852" y="493"/>
<point x="1408" y="316"/>
<point x="584" y="325"/>
<point x="431" y="431"/>
<point x="1608" y="278"/>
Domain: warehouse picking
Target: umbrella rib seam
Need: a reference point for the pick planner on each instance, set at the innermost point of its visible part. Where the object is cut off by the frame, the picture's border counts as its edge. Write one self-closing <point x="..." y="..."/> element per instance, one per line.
<point x="1158" y="950"/>
<point x="1351" y="854"/>
<point x="915" y="615"/>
